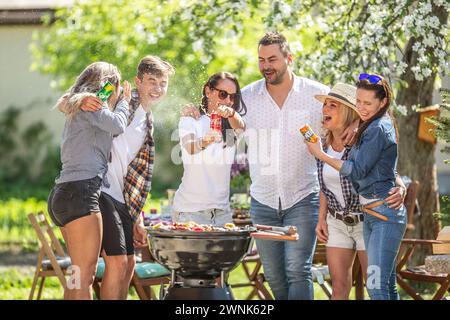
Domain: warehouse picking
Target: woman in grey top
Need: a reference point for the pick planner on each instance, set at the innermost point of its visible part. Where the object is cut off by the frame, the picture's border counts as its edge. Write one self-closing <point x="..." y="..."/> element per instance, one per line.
<point x="85" y="150"/>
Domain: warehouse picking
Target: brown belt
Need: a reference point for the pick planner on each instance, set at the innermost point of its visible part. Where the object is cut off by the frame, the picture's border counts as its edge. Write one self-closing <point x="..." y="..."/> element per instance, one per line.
<point x="367" y="208"/>
<point x="348" y="219"/>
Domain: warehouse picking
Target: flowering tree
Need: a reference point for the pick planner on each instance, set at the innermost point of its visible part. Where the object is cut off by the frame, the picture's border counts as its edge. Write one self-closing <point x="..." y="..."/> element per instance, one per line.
<point x="405" y="40"/>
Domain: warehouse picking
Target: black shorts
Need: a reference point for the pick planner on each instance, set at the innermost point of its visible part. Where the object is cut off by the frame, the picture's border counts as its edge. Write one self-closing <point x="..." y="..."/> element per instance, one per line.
<point x="72" y="200"/>
<point x="117" y="227"/>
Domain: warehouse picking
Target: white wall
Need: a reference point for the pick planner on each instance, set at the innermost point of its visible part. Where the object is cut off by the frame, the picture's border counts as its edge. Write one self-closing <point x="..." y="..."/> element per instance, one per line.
<point x="22" y="88"/>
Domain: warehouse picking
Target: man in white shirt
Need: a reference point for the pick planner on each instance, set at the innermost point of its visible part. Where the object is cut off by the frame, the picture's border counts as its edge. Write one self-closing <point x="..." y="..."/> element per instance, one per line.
<point x="121" y="230"/>
<point x="284" y="187"/>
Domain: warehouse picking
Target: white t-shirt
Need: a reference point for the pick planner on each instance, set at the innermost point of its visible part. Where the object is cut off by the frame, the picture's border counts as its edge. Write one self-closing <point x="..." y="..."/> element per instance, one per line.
<point x="280" y="165"/>
<point x="206" y="178"/>
<point x="123" y="151"/>
<point x="331" y="177"/>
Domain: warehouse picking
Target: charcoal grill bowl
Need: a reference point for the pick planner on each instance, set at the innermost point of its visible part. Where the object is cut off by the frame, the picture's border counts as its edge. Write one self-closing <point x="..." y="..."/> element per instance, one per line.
<point x="201" y="255"/>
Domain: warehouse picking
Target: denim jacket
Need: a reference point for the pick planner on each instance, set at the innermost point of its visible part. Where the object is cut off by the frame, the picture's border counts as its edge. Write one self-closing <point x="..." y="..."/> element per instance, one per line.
<point x="372" y="162"/>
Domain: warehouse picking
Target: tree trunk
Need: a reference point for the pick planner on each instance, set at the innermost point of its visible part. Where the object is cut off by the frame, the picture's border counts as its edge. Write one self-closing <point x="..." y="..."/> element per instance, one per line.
<point x="416" y="157"/>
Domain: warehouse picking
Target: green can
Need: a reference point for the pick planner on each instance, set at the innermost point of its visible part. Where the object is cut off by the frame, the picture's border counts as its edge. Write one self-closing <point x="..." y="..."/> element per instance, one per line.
<point x="106" y="91"/>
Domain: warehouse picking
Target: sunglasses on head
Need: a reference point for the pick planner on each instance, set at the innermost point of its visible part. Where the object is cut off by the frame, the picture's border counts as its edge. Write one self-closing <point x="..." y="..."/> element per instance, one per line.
<point x="223" y="94"/>
<point x="372" y="78"/>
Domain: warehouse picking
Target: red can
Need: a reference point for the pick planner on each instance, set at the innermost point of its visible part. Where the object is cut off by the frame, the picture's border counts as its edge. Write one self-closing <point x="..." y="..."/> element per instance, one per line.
<point x="216" y="122"/>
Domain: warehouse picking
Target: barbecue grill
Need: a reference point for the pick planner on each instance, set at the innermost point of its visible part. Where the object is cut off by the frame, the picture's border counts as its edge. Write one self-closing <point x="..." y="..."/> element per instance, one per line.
<point x="197" y="260"/>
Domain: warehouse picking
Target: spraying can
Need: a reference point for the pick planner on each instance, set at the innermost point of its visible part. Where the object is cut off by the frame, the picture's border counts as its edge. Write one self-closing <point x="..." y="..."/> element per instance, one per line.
<point x="106" y="91"/>
<point x="216" y="122"/>
<point x="309" y="134"/>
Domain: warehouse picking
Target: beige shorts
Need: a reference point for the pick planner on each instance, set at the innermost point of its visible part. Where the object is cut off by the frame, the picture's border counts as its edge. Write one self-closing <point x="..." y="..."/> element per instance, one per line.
<point x="342" y="236"/>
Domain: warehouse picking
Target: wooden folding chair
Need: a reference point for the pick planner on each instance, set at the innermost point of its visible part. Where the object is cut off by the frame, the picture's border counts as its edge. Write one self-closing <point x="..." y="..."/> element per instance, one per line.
<point x="406" y="272"/>
<point x="319" y="269"/>
<point x="57" y="263"/>
<point x="418" y="273"/>
<point x="255" y="279"/>
<point x="143" y="284"/>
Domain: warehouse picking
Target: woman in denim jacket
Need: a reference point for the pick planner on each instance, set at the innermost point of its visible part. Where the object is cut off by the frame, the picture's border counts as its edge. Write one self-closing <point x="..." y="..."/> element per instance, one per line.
<point x="371" y="167"/>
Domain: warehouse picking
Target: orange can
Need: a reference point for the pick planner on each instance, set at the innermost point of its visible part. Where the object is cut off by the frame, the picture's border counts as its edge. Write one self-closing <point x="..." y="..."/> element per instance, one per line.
<point x="309" y="134"/>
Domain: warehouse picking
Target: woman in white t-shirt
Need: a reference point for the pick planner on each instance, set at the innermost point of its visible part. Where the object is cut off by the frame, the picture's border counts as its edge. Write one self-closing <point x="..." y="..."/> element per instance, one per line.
<point x="207" y="154"/>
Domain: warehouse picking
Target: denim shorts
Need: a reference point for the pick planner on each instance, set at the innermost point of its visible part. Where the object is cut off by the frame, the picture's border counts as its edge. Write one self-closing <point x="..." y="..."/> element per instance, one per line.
<point x="72" y="200"/>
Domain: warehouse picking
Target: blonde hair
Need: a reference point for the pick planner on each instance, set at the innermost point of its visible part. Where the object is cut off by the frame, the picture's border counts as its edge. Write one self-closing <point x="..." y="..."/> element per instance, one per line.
<point x="349" y="116"/>
<point x="89" y="82"/>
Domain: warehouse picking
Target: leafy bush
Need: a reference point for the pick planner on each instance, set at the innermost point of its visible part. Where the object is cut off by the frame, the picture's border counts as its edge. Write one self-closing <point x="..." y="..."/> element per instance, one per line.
<point x="29" y="161"/>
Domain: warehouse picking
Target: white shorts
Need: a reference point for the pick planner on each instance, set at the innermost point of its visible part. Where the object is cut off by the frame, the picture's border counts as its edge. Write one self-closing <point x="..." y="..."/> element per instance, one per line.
<point x="342" y="236"/>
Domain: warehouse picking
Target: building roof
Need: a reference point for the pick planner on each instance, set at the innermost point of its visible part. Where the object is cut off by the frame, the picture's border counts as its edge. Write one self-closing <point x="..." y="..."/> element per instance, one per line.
<point x="20" y="12"/>
<point x="34" y="4"/>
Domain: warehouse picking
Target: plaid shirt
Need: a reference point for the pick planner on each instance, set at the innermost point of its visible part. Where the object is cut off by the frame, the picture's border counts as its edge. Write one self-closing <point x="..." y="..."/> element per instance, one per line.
<point x="351" y="199"/>
<point x="137" y="182"/>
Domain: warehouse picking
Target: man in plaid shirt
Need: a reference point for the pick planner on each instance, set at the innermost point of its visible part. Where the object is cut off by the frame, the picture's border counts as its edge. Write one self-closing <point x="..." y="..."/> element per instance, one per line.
<point x="128" y="180"/>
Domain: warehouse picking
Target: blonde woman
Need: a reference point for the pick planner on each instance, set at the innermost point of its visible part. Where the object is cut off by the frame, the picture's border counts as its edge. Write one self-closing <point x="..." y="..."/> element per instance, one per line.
<point x="340" y="218"/>
<point x="371" y="169"/>
<point x="73" y="203"/>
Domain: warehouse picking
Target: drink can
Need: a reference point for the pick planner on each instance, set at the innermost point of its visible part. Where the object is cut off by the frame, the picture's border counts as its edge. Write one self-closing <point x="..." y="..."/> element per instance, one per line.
<point x="105" y="91"/>
<point x="216" y="122"/>
<point x="309" y="134"/>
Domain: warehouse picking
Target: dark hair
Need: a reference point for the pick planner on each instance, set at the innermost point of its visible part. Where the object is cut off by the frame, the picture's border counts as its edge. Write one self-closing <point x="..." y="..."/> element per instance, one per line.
<point x="238" y="104"/>
<point x="276" y="38"/>
<point x="154" y="65"/>
<point x="382" y="90"/>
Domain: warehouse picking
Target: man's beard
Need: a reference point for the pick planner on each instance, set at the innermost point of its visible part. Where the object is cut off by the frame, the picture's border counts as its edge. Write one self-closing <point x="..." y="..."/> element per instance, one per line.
<point x="278" y="76"/>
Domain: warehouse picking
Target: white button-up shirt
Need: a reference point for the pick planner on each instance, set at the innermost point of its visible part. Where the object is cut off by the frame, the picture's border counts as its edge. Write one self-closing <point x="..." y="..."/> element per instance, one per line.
<point x="281" y="168"/>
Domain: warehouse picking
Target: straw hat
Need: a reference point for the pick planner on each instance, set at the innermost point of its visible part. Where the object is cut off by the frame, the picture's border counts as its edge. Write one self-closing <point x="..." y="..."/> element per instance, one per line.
<point x="343" y="93"/>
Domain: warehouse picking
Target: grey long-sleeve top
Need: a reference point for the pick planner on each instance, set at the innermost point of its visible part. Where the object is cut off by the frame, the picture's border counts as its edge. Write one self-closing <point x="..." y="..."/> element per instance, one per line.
<point x="86" y="142"/>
